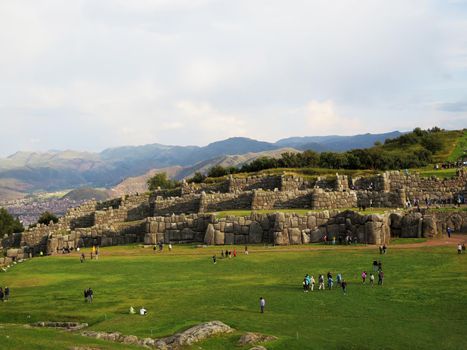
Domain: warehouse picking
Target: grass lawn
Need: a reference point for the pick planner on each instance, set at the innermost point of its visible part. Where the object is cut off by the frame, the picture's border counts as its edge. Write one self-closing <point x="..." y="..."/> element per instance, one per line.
<point x="421" y="306"/>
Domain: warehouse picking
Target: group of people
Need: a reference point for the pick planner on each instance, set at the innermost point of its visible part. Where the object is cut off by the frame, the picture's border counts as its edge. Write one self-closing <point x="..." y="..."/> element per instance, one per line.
<point x="309" y="282"/>
<point x="347" y="239"/>
<point x="142" y="311"/>
<point x="228" y="254"/>
<point x="94" y="254"/>
<point x="160" y="246"/>
<point x="461" y="248"/>
<point x="4" y="294"/>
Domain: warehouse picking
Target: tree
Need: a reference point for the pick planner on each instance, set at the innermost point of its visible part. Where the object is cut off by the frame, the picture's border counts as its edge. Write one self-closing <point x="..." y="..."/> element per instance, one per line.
<point x="46" y="217"/>
<point x="217" y="171"/>
<point x="160" y="180"/>
<point x="197" y="178"/>
<point x="8" y="224"/>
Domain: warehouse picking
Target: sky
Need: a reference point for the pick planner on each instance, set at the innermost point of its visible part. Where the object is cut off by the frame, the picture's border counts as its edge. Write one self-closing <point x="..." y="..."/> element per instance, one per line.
<point x="93" y="74"/>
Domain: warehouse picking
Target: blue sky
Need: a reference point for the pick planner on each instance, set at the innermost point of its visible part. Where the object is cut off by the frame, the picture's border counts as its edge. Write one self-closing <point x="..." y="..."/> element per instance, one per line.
<point x="88" y="75"/>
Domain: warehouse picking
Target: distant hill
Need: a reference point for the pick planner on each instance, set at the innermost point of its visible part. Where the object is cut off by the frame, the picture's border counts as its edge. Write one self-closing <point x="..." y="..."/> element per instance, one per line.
<point x="86" y="193"/>
<point x="135" y="184"/>
<point x="336" y="143"/>
<point x="25" y="172"/>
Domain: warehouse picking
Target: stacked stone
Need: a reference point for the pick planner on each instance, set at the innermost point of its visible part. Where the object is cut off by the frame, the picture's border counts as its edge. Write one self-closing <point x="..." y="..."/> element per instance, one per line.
<point x="186" y="204"/>
<point x="333" y="199"/>
<point x="281" y="199"/>
<point x="293" y="183"/>
<point x="378" y="199"/>
<point x="177" y="228"/>
<point x="249" y="183"/>
<point x="226" y="201"/>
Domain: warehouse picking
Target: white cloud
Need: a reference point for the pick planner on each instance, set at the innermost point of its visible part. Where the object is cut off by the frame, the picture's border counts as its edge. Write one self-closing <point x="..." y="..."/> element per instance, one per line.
<point x="195" y="71"/>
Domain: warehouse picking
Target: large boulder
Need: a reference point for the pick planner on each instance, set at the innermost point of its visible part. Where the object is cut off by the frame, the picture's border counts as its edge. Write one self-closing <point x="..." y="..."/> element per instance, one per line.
<point x="251" y="338"/>
<point x="219" y="237"/>
<point x="411" y="225"/>
<point x="281" y="237"/>
<point x="295" y="235"/>
<point x="429" y="227"/>
<point x="209" y="235"/>
<point x="255" y="234"/>
<point x="317" y="234"/>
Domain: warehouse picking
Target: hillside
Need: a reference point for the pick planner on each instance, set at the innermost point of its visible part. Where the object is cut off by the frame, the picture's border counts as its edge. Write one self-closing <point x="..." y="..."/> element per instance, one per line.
<point x="86" y="193"/>
<point x="27" y="172"/>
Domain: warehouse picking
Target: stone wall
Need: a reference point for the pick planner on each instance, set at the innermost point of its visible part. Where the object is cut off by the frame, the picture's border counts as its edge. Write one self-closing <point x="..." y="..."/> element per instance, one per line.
<point x="376" y="199"/>
<point x="322" y="199"/>
<point x="297" y="199"/>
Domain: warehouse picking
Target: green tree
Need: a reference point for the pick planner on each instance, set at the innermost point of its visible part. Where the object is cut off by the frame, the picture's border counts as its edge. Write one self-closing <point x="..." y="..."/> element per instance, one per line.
<point x="217" y="171"/>
<point x="197" y="178"/>
<point x="46" y="217"/>
<point x="8" y="224"/>
<point x="161" y="180"/>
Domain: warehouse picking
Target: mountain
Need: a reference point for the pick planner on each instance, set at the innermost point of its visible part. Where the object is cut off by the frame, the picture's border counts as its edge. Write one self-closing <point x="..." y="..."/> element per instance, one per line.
<point x="336" y="143"/>
<point x="87" y="193"/>
<point x="26" y="172"/>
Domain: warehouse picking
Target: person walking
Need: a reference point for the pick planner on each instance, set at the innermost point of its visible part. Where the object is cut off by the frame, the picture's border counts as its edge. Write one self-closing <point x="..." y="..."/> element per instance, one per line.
<point x="97" y="253"/>
<point x="330" y="282"/>
<point x="339" y="279"/>
<point x="344" y="287"/>
<point x="170" y="247"/>
<point x="214" y="259"/>
<point x="321" y="282"/>
<point x="90" y="294"/>
<point x="312" y="283"/>
<point x="82" y="258"/>
<point x="449" y="231"/>
<point x="380" y="277"/>
<point x="7" y="293"/>
<point x="459" y="249"/>
<point x="262" y="304"/>
<point x="372" y="279"/>
<point x="246" y="250"/>
<point x="2" y="295"/>
<point x="363" y="276"/>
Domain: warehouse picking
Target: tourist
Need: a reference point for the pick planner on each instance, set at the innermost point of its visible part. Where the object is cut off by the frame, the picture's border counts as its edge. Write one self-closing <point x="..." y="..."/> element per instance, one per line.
<point x="344" y="286"/>
<point x="132" y="310"/>
<point x="170" y="247"/>
<point x="85" y="295"/>
<point x="7" y="293"/>
<point x="143" y="311"/>
<point x="90" y="295"/>
<point x="339" y="279"/>
<point x="463" y="247"/>
<point x="246" y="250"/>
<point x="305" y="284"/>
<point x="375" y="265"/>
<point x="97" y="253"/>
<point x="214" y="259"/>
<point x="380" y="265"/>
<point x="334" y="240"/>
<point x="154" y="248"/>
<point x="381" y="249"/>
<point x="372" y="279"/>
<point x="235" y="253"/>
<point x="321" y="282"/>
<point x="2" y="295"/>
<point x="330" y="282"/>
<point x="459" y="249"/>
<point x="363" y="276"/>
<point x="222" y="254"/>
<point x="449" y="231"/>
<point x="384" y="249"/>
<point x="226" y="253"/>
<point x="312" y="283"/>
<point x="262" y="304"/>
<point x="380" y="277"/>
<point x="82" y="257"/>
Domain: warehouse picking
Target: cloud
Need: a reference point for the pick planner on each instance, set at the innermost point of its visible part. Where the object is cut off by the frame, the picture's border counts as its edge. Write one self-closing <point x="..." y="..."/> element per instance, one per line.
<point x="458" y="106"/>
<point x="107" y="73"/>
<point x="323" y="118"/>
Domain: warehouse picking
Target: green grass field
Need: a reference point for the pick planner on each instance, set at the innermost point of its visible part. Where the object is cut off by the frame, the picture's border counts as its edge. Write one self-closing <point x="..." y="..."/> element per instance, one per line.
<point x="421" y="306"/>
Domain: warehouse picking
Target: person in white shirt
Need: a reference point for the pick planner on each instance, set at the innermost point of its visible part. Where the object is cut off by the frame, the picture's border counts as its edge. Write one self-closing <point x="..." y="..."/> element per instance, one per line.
<point x="143" y="311"/>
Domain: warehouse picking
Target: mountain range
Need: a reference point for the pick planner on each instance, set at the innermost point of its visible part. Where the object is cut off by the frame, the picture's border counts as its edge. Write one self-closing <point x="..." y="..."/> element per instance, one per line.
<point x="25" y="172"/>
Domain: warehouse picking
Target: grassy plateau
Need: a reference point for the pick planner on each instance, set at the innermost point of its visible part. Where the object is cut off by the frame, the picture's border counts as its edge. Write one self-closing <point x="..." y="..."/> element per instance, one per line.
<point x="422" y="304"/>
